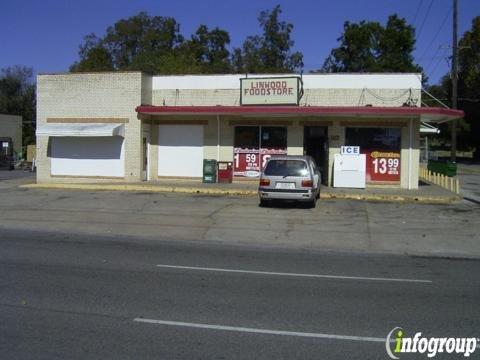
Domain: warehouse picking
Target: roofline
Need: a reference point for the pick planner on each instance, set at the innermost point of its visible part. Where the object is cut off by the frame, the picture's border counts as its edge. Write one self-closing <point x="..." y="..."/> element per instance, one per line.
<point x="94" y="72"/>
<point x="446" y="114"/>
<point x="229" y="74"/>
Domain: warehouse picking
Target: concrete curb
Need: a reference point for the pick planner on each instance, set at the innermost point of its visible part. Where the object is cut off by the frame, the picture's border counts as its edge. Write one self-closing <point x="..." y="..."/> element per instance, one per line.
<point x="149" y="188"/>
<point x="237" y="191"/>
<point x="392" y="198"/>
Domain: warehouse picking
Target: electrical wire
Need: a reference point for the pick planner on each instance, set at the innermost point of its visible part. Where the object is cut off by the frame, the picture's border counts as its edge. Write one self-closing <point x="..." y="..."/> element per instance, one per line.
<point x="416" y="13"/>
<point x="436" y="65"/>
<point x="438" y="32"/>
<point x="425" y="19"/>
<point x="434" y="57"/>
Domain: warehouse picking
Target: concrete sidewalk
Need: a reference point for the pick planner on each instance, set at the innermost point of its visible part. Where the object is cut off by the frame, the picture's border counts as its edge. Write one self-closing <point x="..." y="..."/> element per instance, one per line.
<point x="426" y="193"/>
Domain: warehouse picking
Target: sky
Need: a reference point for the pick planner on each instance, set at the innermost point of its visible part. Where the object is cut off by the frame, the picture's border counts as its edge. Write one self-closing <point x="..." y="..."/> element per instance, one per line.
<point x="46" y="34"/>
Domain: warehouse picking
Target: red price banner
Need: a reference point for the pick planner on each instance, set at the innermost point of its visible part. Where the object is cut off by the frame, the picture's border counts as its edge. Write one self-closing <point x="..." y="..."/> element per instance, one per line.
<point x="383" y="165"/>
<point x="249" y="162"/>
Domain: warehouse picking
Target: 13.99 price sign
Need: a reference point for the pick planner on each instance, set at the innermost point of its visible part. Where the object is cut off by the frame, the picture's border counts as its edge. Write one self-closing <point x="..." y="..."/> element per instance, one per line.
<point x="383" y="165"/>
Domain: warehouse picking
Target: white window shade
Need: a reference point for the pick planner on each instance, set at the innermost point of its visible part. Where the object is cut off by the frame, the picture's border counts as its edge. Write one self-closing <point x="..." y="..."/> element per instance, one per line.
<point x="81" y="129"/>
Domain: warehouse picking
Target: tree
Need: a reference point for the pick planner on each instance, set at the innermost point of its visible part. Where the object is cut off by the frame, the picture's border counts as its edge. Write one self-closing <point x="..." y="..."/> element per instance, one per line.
<point x="468" y="91"/>
<point x="469" y="83"/>
<point x="271" y="51"/>
<point x="93" y="56"/>
<point x="17" y="97"/>
<point x="370" y="47"/>
<point x="154" y="44"/>
<point x="209" y="48"/>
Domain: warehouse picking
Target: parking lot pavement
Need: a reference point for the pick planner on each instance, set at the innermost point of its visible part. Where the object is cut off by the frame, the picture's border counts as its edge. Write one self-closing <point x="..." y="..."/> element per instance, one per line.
<point x="15" y="176"/>
<point x="469" y="176"/>
<point x="338" y="225"/>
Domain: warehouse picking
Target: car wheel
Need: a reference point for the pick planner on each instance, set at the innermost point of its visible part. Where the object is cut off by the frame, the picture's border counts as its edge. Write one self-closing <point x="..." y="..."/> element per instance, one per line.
<point x="262" y="203"/>
<point x="312" y="203"/>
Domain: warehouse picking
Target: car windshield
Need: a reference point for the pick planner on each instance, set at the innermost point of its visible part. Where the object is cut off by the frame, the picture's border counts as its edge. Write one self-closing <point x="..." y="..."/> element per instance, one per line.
<point x="286" y="168"/>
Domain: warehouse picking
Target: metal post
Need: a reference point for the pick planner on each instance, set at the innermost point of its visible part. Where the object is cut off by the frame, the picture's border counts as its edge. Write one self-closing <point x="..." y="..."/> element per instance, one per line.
<point x="218" y="137"/>
<point x="453" y="154"/>
<point x="426" y="148"/>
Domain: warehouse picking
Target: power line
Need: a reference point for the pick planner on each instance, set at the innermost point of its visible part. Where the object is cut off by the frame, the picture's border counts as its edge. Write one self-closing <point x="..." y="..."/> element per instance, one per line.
<point x="416" y="13"/>
<point x="435" y="57"/>
<point x="437" y="33"/>
<point x="438" y="63"/>
<point x="425" y="19"/>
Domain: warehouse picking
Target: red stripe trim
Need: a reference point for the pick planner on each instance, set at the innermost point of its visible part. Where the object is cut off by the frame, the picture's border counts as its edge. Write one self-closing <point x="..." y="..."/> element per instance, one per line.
<point x="313" y="110"/>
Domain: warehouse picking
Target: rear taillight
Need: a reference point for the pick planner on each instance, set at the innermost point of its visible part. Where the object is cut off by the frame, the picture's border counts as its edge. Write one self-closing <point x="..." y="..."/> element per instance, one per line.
<point x="307" y="183"/>
<point x="264" y="182"/>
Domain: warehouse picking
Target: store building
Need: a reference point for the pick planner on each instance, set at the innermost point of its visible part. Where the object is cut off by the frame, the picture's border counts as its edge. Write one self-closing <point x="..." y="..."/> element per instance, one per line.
<point x="130" y="126"/>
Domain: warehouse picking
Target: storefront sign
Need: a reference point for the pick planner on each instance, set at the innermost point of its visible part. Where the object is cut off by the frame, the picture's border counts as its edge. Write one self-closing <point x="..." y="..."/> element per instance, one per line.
<point x="249" y="162"/>
<point x="383" y="165"/>
<point x="270" y="91"/>
<point x="350" y="150"/>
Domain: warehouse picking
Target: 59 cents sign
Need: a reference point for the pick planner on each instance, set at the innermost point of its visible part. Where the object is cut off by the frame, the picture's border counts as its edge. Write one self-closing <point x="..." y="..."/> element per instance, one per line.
<point x="249" y="162"/>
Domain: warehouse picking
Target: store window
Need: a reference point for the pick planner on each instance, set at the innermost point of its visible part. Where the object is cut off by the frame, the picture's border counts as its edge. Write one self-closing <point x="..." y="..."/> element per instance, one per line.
<point x="374" y="138"/>
<point x="274" y="137"/>
<point x="253" y="145"/>
<point x="381" y="147"/>
<point x="247" y="137"/>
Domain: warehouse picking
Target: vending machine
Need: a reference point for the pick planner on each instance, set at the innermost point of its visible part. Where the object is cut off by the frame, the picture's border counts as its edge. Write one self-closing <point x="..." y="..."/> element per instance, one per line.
<point x="349" y="168"/>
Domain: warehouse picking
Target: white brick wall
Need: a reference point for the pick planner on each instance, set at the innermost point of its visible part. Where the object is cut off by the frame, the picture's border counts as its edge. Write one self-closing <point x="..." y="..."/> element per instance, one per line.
<point x="91" y="96"/>
<point x="312" y="97"/>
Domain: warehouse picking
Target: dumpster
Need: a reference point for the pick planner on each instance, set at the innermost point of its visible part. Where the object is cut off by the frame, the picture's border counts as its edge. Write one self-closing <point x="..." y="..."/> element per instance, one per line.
<point x="444" y="167"/>
<point x="209" y="171"/>
<point x="225" y="171"/>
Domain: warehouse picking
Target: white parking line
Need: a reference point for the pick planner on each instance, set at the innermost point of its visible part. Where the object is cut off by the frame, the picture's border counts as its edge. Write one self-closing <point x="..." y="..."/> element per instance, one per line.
<point x="261" y="331"/>
<point x="362" y="278"/>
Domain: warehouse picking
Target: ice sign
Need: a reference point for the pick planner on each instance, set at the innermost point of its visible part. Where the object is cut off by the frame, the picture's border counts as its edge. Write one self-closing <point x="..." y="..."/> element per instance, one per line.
<point x="350" y="150"/>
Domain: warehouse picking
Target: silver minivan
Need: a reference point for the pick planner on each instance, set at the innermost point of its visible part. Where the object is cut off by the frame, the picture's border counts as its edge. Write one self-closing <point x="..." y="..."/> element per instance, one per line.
<point x="288" y="177"/>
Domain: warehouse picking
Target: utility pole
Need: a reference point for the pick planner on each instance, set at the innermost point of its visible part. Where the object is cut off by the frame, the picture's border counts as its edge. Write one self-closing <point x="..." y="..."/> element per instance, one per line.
<point x="453" y="154"/>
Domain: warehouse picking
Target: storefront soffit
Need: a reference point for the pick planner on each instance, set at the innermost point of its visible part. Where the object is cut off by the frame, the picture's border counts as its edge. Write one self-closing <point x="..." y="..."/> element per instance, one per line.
<point x="433" y="115"/>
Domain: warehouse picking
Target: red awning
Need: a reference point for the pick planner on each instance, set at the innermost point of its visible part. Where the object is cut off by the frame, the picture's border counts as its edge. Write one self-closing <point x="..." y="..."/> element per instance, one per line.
<point x="427" y="114"/>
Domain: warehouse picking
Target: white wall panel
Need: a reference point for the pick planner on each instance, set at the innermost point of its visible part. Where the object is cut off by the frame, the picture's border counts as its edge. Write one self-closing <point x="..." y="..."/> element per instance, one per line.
<point x="88" y="156"/>
<point x="180" y="150"/>
<point x="310" y="81"/>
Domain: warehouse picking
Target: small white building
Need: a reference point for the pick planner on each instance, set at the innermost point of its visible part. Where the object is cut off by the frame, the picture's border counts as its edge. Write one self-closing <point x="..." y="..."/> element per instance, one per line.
<point x="130" y="126"/>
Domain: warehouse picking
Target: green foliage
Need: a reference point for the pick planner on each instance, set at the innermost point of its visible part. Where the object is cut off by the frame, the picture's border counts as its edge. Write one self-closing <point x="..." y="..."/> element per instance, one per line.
<point x="154" y="44"/>
<point x="370" y="47"/>
<point x="271" y="51"/>
<point x="17" y="97"/>
<point x="468" y="91"/>
<point x="209" y="49"/>
<point x="469" y="83"/>
<point x="94" y="56"/>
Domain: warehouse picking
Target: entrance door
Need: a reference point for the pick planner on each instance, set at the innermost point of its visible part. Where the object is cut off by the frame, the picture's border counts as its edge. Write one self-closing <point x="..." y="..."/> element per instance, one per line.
<point x="315" y="144"/>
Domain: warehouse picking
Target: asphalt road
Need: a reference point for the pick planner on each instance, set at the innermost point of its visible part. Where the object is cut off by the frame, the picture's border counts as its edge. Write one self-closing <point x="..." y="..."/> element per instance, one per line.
<point x="77" y="297"/>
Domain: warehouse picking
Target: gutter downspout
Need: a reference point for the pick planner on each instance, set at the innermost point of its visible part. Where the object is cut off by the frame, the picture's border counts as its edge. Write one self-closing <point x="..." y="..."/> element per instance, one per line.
<point x="218" y="137"/>
<point x="410" y="153"/>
